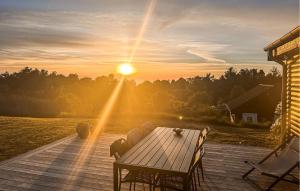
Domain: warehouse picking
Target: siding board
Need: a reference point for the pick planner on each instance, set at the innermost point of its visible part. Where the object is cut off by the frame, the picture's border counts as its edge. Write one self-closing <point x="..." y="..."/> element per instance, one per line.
<point x="293" y="97"/>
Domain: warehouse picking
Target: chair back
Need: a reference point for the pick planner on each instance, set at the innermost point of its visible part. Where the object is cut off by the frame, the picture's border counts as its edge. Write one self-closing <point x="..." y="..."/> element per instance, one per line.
<point x="118" y="148"/>
<point x="205" y="132"/>
<point x="148" y="127"/>
<point x="289" y="156"/>
<point x="201" y="141"/>
<point x="294" y="144"/>
<point x="134" y="136"/>
<point x="199" y="153"/>
<point x="292" y="149"/>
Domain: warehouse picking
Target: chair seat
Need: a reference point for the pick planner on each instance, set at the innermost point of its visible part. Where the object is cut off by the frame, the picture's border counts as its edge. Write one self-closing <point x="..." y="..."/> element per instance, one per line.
<point x="278" y="166"/>
<point x="173" y="182"/>
<point x="137" y="176"/>
<point x="279" y="163"/>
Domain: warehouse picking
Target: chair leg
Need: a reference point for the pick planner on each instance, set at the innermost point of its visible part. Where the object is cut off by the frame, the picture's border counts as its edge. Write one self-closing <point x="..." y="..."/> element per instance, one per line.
<point x="247" y="173"/>
<point x="194" y="181"/>
<point x="282" y="177"/>
<point x="164" y="187"/>
<point x="129" y="186"/>
<point x="120" y="179"/>
<point x="274" y="183"/>
<point x="202" y="170"/>
<point x="198" y="176"/>
<point x="150" y="185"/>
<point x="193" y="185"/>
<point x="162" y="184"/>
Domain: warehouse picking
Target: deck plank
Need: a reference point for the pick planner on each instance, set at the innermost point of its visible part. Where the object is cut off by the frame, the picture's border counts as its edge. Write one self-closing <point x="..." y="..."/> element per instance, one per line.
<point x="55" y="167"/>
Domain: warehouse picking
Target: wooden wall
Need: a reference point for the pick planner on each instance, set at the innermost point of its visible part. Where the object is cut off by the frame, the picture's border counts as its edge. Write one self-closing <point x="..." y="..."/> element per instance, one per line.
<point x="285" y="51"/>
<point x="292" y="88"/>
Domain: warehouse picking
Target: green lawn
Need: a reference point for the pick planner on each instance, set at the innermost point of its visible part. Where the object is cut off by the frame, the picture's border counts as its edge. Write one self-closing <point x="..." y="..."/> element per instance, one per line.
<point x="21" y="134"/>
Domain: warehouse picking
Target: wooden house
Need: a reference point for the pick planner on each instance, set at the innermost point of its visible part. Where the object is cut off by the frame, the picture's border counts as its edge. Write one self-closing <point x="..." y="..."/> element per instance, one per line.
<point x="285" y="51"/>
<point x="255" y="105"/>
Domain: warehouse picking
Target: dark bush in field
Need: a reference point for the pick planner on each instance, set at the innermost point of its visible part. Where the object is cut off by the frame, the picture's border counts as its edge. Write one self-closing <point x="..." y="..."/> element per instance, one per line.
<point x="83" y="130"/>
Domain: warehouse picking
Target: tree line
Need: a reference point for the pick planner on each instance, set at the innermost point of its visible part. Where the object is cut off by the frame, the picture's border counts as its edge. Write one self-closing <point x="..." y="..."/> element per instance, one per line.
<point x="39" y="93"/>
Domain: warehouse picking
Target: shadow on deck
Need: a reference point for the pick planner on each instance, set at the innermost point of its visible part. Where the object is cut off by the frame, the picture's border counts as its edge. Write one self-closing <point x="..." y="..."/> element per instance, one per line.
<point x="53" y="167"/>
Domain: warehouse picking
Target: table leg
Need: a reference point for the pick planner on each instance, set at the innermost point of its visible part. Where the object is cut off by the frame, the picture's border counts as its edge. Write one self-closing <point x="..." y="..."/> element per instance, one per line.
<point x="186" y="183"/>
<point x="116" y="177"/>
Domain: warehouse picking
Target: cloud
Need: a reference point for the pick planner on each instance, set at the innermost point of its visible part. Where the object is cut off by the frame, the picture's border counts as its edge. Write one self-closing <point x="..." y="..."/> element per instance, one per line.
<point x="207" y="56"/>
<point x="27" y="29"/>
<point x="206" y="50"/>
<point x="231" y="13"/>
<point x="169" y="21"/>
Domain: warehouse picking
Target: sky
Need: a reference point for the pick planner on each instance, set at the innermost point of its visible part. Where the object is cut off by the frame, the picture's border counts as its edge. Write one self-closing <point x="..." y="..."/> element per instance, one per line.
<point x="178" y="39"/>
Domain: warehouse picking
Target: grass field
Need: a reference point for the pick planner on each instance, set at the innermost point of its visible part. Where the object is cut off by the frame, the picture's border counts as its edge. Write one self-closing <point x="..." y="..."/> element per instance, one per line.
<point x="21" y="134"/>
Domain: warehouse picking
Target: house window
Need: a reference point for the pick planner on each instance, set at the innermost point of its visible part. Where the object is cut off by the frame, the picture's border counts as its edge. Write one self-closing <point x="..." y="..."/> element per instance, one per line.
<point x="250" y="117"/>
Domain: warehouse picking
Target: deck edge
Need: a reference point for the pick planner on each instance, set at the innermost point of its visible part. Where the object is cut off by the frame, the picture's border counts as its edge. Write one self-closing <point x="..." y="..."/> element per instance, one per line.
<point x="38" y="150"/>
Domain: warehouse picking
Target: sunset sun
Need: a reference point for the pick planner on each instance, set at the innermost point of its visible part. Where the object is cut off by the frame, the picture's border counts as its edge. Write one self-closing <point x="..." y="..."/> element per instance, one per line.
<point x="126" y="69"/>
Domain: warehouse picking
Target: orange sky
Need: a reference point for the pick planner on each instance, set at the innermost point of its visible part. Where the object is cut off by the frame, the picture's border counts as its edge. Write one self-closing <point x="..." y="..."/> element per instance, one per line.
<point x="165" y="39"/>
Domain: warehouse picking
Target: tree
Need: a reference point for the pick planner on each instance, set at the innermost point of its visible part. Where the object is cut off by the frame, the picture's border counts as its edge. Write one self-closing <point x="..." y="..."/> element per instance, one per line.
<point x="34" y="92"/>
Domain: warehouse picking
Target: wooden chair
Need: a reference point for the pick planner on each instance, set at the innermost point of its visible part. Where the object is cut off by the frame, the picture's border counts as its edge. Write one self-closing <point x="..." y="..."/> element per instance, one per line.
<point x="199" y="155"/>
<point x="134" y="136"/>
<point x="279" y="163"/>
<point x="117" y="149"/>
<point x="201" y="141"/>
<point x="147" y="128"/>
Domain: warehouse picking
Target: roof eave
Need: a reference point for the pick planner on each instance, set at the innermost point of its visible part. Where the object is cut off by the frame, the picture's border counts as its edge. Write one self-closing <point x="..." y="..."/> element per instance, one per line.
<point x="283" y="39"/>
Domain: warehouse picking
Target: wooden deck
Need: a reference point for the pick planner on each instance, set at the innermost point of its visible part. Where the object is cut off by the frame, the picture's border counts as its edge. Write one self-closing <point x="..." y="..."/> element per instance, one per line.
<point x="54" y="167"/>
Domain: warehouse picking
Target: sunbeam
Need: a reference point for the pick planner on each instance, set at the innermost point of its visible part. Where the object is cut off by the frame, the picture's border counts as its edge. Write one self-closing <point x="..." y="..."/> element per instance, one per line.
<point x="90" y="143"/>
<point x="88" y="146"/>
<point x="142" y="29"/>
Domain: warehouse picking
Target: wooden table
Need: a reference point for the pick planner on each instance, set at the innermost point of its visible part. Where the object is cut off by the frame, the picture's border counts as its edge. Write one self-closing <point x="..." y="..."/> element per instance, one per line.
<point x="162" y="151"/>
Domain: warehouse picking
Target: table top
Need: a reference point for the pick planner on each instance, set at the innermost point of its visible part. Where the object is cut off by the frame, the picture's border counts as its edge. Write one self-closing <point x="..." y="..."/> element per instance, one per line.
<point x="163" y="150"/>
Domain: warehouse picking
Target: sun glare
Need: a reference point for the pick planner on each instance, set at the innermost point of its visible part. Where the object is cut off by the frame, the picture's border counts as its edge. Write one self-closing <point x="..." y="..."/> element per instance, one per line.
<point x="126" y="69"/>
